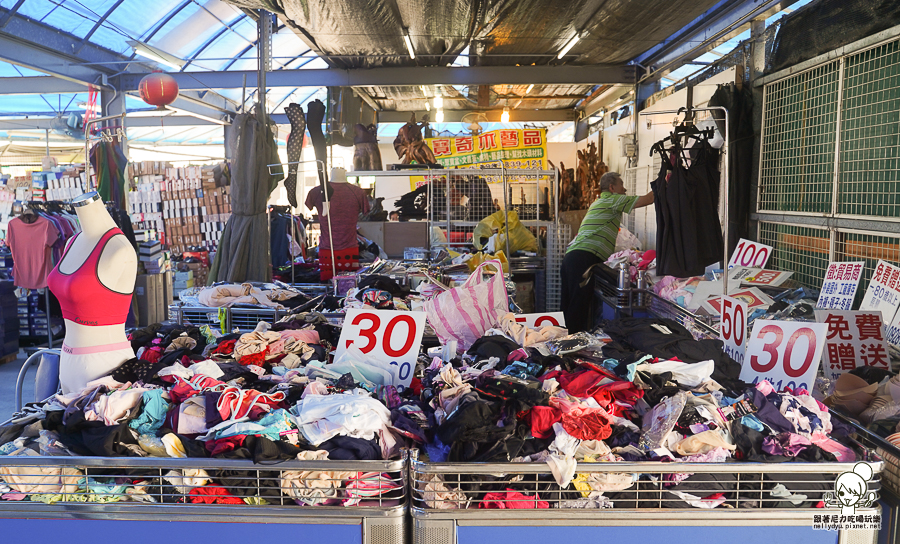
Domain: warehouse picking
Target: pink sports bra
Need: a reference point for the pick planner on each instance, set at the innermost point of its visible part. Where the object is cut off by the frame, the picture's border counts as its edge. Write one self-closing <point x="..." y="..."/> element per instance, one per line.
<point x="82" y="297"/>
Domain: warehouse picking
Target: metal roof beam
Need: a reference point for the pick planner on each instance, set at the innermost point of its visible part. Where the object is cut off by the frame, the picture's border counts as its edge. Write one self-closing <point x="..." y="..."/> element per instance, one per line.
<point x="719" y="24"/>
<point x="39" y="85"/>
<point x="493" y="116"/>
<point x="406" y="76"/>
<point x="45" y="58"/>
<point x="131" y="122"/>
<point x="40" y="47"/>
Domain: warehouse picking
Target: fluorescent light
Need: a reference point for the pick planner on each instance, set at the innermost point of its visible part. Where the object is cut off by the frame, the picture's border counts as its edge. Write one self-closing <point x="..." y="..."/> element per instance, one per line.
<point x="438" y="102"/>
<point x="427" y="106"/>
<point x="412" y="53"/>
<point x="504" y="117"/>
<point x="571" y="43"/>
<point x="155" y="54"/>
<point x="439" y="117"/>
<point x="528" y="90"/>
<point x="424" y="90"/>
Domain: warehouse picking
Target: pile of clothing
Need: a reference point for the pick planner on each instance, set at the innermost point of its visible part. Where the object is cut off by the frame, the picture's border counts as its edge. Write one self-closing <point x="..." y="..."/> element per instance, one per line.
<point x="635" y="390"/>
<point x="266" y="396"/>
<point x="637" y="261"/>
<point x="248" y="294"/>
<point x="652" y="393"/>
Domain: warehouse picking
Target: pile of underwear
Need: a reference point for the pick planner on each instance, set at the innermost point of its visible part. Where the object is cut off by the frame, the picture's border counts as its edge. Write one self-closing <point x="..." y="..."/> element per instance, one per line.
<point x="651" y="393"/>
<point x="635" y="390"/>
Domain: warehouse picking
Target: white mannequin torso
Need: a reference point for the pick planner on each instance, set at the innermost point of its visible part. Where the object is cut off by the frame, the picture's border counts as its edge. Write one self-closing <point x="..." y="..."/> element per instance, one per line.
<point x="117" y="270"/>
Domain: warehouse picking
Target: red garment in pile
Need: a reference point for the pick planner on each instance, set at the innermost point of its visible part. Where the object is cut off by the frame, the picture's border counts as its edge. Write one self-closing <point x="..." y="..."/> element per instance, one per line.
<point x="512" y="499"/>
<point x="213" y="494"/>
<point x="258" y="359"/>
<point x="226" y="347"/>
<point x="224" y="445"/>
<point x="582" y="422"/>
<point x="185" y="389"/>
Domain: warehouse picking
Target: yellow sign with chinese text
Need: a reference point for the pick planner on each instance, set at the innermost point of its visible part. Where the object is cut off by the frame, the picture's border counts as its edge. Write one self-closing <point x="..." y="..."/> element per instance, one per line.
<point x="510" y="148"/>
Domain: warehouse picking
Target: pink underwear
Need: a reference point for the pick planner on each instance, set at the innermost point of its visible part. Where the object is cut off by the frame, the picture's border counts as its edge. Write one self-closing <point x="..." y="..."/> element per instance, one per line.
<point x="95" y="349"/>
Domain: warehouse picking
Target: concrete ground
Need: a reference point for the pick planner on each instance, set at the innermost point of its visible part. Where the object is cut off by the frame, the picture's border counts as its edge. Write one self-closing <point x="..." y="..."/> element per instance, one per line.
<point x="8" y="373"/>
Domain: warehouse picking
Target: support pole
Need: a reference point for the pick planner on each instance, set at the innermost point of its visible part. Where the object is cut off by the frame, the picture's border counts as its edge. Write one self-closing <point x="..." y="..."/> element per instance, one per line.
<point x="264" y="26"/>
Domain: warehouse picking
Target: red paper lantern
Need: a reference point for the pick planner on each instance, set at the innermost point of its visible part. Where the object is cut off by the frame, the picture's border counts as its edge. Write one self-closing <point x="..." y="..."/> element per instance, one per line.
<point x="158" y="89"/>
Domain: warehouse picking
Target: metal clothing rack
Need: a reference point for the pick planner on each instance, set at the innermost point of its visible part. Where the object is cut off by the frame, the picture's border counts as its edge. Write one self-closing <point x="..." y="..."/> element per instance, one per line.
<point x="327" y="206"/>
<point x="727" y="176"/>
<point x="106" y="135"/>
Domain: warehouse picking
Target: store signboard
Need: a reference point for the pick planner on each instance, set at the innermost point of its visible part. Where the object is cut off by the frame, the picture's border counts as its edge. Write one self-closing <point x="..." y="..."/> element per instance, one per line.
<point x="509" y="148"/>
<point x="883" y="293"/>
<point x="733" y="327"/>
<point x="536" y="321"/>
<point x="840" y="284"/>
<point x="785" y="353"/>
<point x="749" y="253"/>
<point x="854" y="339"/>
<point x="389" y="339"/>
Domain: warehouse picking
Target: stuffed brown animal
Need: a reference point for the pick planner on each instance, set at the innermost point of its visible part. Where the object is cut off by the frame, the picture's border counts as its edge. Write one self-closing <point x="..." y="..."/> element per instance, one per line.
<point x="410" y="145"/>
<point x="366" y="155"/>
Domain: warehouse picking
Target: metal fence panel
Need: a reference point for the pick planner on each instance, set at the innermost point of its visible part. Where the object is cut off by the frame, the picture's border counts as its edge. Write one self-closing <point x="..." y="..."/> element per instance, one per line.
<point x="870" y="133"/>
<point x="797" y="159"/>
<point x="802" y="250"/>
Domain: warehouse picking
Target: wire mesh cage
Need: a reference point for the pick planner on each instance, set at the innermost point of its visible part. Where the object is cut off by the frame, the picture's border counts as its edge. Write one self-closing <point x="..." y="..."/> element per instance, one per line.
<point x="798" y="138"/>
<point x="870" y="127"/>
<point x="611" y="487"/>
<point x="289" y="488"/>
<point x="800" y="249"/>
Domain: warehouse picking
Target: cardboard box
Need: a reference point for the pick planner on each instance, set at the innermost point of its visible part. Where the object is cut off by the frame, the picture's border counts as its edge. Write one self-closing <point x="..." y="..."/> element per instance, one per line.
<point x="145" y="295"/>
<point x="400" y="235"/>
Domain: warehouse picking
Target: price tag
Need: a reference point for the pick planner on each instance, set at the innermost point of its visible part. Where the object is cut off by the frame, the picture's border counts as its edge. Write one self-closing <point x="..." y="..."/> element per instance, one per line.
<point x="749" y="253"/>
<point x="854" y="339"/>
<point x="883" y="293"/>
<point x="536" y="321"/>
<point x="786" y="353"/>
<point x="388" y="338"/>
<point x="733" y="327"/>
<point x="839" y="286"/>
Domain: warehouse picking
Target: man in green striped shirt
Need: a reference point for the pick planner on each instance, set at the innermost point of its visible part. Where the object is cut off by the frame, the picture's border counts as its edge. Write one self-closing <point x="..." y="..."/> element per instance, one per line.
<point x="594" y="243"/>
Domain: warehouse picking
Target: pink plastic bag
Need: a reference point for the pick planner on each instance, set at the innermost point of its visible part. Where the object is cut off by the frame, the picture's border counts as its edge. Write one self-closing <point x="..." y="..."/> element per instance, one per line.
<point x="464" y="313"/>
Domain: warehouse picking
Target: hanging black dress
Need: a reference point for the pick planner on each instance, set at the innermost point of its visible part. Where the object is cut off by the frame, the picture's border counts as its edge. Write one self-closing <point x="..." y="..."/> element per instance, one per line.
<point x="686" y="198"/>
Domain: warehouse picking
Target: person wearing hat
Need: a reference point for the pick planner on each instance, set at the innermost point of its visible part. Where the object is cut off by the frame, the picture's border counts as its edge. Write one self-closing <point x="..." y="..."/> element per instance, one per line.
<point x="594" y="243"/>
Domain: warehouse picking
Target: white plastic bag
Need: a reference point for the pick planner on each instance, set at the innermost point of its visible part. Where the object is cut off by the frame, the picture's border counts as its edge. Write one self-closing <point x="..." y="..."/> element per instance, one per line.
<point x="627" y="240"/>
